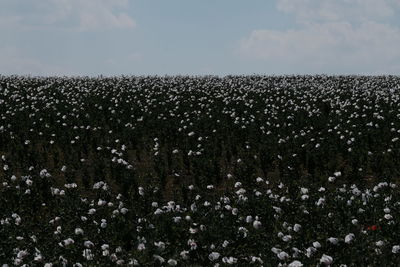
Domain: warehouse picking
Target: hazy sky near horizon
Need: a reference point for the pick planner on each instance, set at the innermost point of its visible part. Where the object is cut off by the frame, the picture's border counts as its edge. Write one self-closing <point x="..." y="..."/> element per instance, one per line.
<point x="220" y="37"/>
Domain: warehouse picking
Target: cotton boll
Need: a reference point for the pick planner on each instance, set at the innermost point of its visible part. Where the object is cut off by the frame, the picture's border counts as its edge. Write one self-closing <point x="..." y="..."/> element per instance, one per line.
<point x="213" y="256"/>
<point x="316" y="244"/>
<point x="388" y="217"/>
<point x="257" y="224"/>
<point x="172" y="262"/>
<point x="337" y="174"/>
<point x="283" y="255"/>
<point x="349" y="238"/>
<point x="333" y="240"/>
<point x="396" y="249"/>
<point x="78" y="231"/>
<point x="286" y="238"/>
<point x="297" y="227"/>
<point x="249" y="219"/>
<point x="325" y="259"/>
<point x="295" y="264"/>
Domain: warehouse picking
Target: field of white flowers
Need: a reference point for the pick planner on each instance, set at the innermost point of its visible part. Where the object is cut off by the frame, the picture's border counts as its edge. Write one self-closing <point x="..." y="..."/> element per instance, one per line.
<point x="200" y="171"/>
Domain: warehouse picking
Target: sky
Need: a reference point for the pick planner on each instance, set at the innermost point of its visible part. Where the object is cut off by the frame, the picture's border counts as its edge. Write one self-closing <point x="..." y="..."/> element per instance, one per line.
<point x="188" y="37"/>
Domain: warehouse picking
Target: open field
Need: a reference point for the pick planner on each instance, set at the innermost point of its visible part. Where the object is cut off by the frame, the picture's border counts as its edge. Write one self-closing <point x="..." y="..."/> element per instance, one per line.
<point x="200" y="171"/>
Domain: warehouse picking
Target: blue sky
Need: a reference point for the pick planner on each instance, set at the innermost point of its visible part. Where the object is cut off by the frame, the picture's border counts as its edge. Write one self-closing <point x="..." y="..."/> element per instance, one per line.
<point x="113" y="37"/>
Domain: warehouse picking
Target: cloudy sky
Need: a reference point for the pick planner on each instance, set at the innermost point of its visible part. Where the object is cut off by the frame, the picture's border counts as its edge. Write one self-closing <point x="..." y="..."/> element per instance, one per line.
<point x="113" y="37"/>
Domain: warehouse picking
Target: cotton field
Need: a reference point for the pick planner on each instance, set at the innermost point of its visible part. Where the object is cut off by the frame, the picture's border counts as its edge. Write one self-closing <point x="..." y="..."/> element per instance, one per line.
<point x="200" y="171"/>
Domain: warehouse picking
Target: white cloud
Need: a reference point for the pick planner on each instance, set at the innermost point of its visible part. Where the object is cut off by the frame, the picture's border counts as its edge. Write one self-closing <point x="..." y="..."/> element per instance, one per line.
<point x="337" y="10"/>
<point x="12" y="61"/>
<point x="96" y="14"/>
<point x="332" y="38"/>
<point x="9" y="21"/>
<point x="82" y="15"/>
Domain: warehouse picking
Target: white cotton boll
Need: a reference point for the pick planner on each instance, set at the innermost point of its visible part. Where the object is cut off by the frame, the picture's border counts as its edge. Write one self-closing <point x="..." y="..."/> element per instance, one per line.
<point x="333" y="240"/>
<point x="177" y="219"/>
<point x="229" y="260"/>
<point x="296" y="252"/>
<point x="326" y="259"/>
<point x="259" y="180"/>
<point x="101" y="202"/>
<point x="316" y="244"/>
<point x="184" y="254"/>
<point x="320" y="201"/>
<point x="257" y="224"/>
<point x="160" y="245"/>
<point x="213" y="256"/>
<point x="172" y="262"/>
<point x="256" y="259"/>
<point x="283" y="255"/>
<point x="354" y="221"/>
<point x="158" y="212"/>
<point x="88" y="244"/>
<point x="124" y="210"/>
<point x="310" y="251"/>
<point x="241" y="191"/>
<point x="388" y="217"/>
<point x="78" y="231"/>
<point x="91" y="211"/>
<point x="141" y="247"/>
<point x="141" y="191"/>
<point x="235" y="211"/>
<point x="380" y="243"/>
<point x="331" y="179"/>
<point x="225" y="243"/>
<point x="337" y="174"/>
<point x="38" y="257"/>
<point x="303" y="190"/>
<point x="396" y="249"/>
<point x="286" y="238"/>
<point x="87" y="254"/>
<point x="386" y="210"/>
<point x="68" y="241"/>
<point x="297" y="227"/>
<point x="28" y="182"/>
<point x="295" y="264"/>
<point x="249" y="219"/>
<point x="349" y="238"/>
